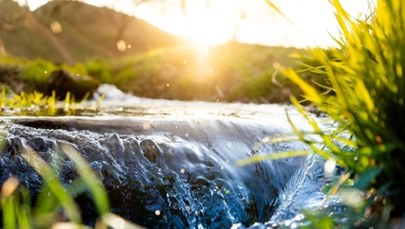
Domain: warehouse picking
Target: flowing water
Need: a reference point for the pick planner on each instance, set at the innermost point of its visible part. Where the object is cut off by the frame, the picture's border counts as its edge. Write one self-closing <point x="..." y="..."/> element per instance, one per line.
<point x="172" y="164"/>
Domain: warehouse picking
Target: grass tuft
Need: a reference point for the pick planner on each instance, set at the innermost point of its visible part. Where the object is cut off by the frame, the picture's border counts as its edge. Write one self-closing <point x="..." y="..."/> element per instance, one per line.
<point x="367" y="93"/>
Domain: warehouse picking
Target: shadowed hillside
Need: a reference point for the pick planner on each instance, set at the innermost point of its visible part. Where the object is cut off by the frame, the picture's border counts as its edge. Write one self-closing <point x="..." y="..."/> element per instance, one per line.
<point x="70" y="31"/>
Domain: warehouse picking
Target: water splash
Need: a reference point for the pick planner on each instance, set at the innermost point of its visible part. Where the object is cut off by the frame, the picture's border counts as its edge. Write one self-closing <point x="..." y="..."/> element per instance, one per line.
<point x="177" y="168"/>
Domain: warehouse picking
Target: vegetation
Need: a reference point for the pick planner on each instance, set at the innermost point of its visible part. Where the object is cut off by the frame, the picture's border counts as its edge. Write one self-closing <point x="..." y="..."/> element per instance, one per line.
<point x="72" y="31"/>
<point x="152" y="65"/>
<point x="55" y="205"/>
<point x="229" y="72"/>
<point x="360" y="86"/>
<point x="366" y="100"/>
<point x="36" y="103"/>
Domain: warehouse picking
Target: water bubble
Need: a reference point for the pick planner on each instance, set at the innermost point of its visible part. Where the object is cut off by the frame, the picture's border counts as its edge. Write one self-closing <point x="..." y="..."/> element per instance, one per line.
<point x="182" y="171"/>
<point x="157" y="212"/>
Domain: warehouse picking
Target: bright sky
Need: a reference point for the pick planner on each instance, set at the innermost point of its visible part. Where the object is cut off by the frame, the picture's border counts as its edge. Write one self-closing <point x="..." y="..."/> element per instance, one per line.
<point x="310" y="22"/>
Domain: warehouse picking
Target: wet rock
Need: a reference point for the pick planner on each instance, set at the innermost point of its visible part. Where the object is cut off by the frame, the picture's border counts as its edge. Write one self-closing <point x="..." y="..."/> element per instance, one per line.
<point x="160" y="179"/>
<point x="150" y="149"/>
<point x="63" y="82"/>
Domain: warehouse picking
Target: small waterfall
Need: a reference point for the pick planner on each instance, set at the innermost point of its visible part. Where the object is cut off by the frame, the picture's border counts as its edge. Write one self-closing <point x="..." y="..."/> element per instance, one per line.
<point x="175" y="166"/>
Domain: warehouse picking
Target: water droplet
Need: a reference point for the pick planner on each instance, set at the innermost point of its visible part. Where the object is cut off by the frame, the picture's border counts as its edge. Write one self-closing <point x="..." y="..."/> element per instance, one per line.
<point x="182" y="171"/>
<point x="329" y="166"/>
<point x="56" y="27"/>
<point x="186" y="135"/>
<point x="121" y="45"/>
<point x="157" y="212"/>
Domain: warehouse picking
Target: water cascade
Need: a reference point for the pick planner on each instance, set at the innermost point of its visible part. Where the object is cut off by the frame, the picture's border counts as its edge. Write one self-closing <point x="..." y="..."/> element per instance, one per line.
<point x="172" y="164"/>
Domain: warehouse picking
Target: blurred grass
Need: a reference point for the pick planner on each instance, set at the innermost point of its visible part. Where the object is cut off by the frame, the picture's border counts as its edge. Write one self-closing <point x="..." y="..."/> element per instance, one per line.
<point x="55" y="207"/>
<point x="365" y="97"/>
<point x="229" y="72"/>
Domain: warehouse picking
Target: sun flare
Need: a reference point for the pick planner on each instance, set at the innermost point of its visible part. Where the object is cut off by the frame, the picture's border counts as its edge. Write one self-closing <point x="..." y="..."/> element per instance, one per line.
<point x="204" y="23"/>
<point x="204" y="26"/>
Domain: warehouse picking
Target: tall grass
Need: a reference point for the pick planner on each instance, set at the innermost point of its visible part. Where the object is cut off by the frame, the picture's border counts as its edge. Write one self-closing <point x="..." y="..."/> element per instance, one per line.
<point x="366" y="99"/>
<point x="55" y="206"/>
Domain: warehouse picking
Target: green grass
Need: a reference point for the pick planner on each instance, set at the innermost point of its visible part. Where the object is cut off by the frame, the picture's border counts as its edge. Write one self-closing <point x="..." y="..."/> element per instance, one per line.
<point x="366" y="95"/>
<point x="229" y="72"/>
<point x="55" y="206"/>
<point x="37" y="104"/>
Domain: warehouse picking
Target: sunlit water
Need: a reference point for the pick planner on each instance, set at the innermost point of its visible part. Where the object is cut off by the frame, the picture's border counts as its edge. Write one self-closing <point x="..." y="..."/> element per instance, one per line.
<point x="172" y="164"/>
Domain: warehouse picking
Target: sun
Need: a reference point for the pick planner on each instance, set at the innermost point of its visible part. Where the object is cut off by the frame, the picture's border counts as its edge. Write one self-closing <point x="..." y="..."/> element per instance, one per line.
<point x="205" y="26"/>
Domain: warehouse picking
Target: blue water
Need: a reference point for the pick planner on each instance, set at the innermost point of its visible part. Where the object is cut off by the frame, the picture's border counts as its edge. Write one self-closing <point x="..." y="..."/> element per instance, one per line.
<point x="172" y="164"/>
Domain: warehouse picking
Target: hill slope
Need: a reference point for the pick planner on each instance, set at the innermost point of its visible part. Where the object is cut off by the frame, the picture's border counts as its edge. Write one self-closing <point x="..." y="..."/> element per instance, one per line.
<point x="71" y="31"/>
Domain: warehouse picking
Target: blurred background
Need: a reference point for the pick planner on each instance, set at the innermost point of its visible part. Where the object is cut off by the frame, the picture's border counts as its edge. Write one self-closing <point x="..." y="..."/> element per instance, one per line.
<point x="222" y="50"/>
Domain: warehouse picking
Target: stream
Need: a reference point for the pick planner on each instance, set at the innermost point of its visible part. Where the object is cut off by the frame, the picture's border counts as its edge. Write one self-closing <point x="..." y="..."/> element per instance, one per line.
<point x="174" y="164"/>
